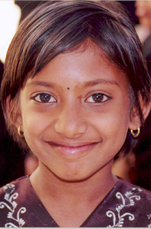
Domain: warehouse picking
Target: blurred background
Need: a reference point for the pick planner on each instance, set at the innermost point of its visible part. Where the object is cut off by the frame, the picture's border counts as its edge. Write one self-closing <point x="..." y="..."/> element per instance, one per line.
<point x="136" y="166"/>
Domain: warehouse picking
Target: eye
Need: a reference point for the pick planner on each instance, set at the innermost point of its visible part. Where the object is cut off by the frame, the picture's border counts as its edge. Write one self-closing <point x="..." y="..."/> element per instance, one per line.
<point x="97" y="98"/>
<point x="44" y="98"/>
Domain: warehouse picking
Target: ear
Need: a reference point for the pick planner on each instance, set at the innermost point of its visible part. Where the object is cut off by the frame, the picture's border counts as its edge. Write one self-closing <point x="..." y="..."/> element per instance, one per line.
<point x="135" y="121"/>
<point x="13" y="112"/>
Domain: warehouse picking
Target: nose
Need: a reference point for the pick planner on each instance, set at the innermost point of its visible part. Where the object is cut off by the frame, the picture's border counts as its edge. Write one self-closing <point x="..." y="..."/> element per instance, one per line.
<point x="70" y="122"/>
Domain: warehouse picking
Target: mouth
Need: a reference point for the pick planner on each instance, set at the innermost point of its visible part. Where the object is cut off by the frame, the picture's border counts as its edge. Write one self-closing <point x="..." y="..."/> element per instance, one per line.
<point x="68" y="150"/>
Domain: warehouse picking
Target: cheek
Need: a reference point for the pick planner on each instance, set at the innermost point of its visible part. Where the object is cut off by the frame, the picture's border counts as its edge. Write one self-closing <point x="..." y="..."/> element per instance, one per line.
<point x="33" y="125"/>
<point x="113" y="125"/>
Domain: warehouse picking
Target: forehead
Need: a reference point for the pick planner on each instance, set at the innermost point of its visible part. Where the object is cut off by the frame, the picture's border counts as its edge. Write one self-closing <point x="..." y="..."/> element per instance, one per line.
<point x="87" y="65"/>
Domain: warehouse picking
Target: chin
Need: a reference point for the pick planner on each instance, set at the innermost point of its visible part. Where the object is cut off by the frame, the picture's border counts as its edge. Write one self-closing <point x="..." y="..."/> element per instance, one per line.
<point x="74" y="178"/>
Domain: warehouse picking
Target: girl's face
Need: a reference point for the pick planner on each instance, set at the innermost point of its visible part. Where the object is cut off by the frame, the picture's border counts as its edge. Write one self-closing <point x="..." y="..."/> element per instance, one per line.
<point x="75" y="113"/>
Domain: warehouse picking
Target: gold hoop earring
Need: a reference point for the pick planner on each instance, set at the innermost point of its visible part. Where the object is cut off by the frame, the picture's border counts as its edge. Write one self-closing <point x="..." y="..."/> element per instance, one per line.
<point x="20" y="133"/>
<point x="136" y="133"/>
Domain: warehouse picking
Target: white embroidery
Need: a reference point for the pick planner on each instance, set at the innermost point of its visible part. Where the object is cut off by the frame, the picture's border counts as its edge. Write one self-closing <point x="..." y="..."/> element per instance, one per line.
<point x="127" y="200"/>
<point x="11" y="206"/>
<point x="149" y="217"/>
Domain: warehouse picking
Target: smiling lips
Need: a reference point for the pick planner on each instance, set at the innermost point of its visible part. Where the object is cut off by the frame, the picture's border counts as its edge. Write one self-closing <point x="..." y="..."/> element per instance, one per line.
<point x="72" y="151"/>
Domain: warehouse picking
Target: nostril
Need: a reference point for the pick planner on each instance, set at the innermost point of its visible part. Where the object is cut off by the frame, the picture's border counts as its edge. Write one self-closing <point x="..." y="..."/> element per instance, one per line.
<point x="70" y="128"/>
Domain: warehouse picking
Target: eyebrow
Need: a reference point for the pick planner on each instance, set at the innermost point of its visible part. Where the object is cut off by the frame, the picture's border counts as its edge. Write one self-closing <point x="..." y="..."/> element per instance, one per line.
<point x="41" y="83"/>
<point x="100" y="81"/>
<point x="85" y="84"/>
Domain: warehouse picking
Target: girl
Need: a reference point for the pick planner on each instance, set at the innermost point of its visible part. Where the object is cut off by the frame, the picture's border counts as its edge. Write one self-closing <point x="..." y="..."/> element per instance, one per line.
<point x="75" y="91"/>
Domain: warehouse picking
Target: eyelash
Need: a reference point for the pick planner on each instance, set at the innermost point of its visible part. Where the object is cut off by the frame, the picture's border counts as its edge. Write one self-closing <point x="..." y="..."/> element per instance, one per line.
<point x="44" y="98"/>
<point x="97" y="98"/>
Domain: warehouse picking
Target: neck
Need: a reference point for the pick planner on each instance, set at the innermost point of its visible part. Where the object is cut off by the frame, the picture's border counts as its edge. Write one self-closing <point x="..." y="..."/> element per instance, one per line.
<point x="46" y="183"/>
<point x="70" y="203"/>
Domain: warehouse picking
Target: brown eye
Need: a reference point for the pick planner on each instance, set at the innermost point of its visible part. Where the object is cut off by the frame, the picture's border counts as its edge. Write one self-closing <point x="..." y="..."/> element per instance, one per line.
<point x="97" y="98"/>
<point x="44" y="98"/>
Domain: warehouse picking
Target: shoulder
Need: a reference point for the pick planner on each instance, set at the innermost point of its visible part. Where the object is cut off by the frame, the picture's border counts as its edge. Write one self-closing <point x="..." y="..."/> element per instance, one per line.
<point x="134" y="194"/>
<point x="21" y="207"/>
<point x="130" y="189"/>
<point x="14" y="186"/>
<point x="132" y="203"/>
<point x="126" y="205"/>
<point x="12" y="202"/>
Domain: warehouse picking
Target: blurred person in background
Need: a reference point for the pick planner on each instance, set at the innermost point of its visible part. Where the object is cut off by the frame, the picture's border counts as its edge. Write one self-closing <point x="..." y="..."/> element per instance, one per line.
<point x="135" y="167"/>
<point x="143" y="148"/>
<point x="143" y="12"/>
<point x="13" y="161"/>
<point x="11" y="156"/>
